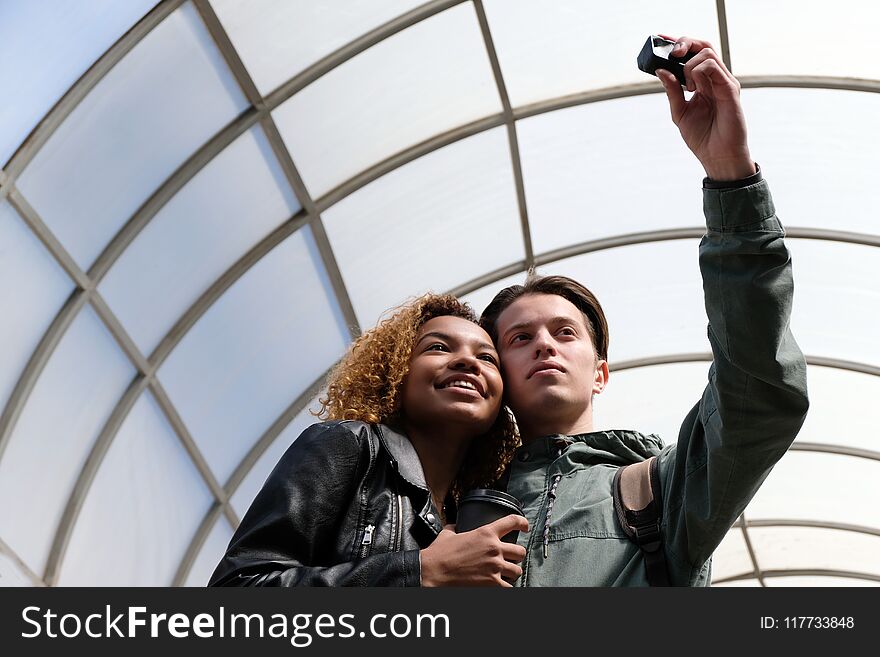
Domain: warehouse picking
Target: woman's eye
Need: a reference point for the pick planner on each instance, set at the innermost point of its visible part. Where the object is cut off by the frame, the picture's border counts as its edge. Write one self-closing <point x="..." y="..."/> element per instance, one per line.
<point x="437" y="346"/>
<point x="489" y="358"/>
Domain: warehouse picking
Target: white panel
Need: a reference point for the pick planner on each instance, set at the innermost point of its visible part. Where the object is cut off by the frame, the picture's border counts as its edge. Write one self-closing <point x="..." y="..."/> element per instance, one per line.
<point x="820" y="151"/>
<point x="262" y="31"/>
<point x="236" y="200"/>
<point x="652" y="295"/>
<point x="71" y="402"/>
<point x="605" y="169"/>
<point x="256" y="477"/>
<point x="33" y="288"/>
<point x="52" y="43"/>
<point x="435" y="223"/>
<point x="549" y="49"/>
<point x="731" y="557"/>
<point x="212" y="551"/>
<point x="142" y="509"/>
<point x="818" y="486"/>
<point x="479" y="299"/>
<point x="158" y="105"/>
<point x="843" y="408"/>
<point x="837" y="299"/>
<point x="800" y="548"/>
<point x="652" y="399"/>
<point x="760" y="44"/>
<point x="260" y="345"/>
<point x="423" y="81"/>
<point x="818" y="581"/>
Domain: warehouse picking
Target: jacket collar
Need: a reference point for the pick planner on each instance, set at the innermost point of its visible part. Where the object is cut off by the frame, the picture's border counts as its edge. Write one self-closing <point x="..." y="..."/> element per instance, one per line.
<point x="619" y="446"/>
<point x="405" y="461"/>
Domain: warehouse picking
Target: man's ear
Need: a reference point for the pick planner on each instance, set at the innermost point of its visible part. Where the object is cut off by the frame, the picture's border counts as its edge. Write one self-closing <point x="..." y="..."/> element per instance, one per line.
<point x="601" y="377"/>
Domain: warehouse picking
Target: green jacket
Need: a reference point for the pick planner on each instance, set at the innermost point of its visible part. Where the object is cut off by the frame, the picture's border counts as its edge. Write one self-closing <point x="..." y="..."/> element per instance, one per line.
<point x="749" y="414"/>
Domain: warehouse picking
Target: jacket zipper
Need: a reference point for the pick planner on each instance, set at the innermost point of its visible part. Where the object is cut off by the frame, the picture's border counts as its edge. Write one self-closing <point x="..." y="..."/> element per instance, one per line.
<point x="398" y="532"/>
<point x="367" y="540"/>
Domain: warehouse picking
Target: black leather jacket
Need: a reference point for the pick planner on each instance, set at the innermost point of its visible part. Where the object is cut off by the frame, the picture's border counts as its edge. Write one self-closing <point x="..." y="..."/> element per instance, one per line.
<point x="347" y="505"/>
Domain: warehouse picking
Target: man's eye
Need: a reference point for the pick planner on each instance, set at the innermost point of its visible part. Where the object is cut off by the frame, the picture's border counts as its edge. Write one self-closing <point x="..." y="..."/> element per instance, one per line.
<point x="567" y="331"/>
<point x="519" y="337"/>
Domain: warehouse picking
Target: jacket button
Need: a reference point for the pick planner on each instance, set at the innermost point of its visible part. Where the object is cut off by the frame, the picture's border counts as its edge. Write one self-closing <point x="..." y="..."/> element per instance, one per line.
<point x="523" y="456"/>
<point x="430" y="518"/>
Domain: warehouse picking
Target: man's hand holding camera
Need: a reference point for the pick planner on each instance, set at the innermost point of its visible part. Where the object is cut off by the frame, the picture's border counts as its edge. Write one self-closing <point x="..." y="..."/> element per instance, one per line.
<point x="712" y="122"/>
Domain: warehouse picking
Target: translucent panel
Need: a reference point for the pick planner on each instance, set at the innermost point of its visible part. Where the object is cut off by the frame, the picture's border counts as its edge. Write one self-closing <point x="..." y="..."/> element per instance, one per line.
<point x="818" y="581"/>
<point x="582" y="165"/>
<point x="652" y="295"/>
<point x="435" y="223"/>
<point x="34" y="288"/>
<point x="732" y="556"/>
<point x="52" y="43"/>
<point x="423" y="81"/>
<point x="652" y="399"/>
<point x="253" y="482"/>
<point x="197" y="236"/>
<point x="268" y="338"/>
<point x="759" y="47"/>
<point x="262" y="31"/>
<point x="801" y="548"/>
<point x="819" y="151"/>
<point x="837" y="299"/>
<point x="157" y="106"/>
<point x="142" y="509"/>
<point x="212" y="551"/>
<point x="69" y="405"/>
<point x="843" y="408"/>
<point x="549" y="49"/>
<point x="479" y="299"/>
<point x="814" y="486"/>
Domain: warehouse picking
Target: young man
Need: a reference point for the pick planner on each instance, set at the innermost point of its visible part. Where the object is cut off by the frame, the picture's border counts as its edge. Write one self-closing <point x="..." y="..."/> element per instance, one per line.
<point x="552" y="339"/>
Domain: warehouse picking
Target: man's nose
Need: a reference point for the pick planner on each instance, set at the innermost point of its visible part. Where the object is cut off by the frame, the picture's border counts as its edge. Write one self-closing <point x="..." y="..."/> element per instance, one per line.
<point x="544" y="343"/>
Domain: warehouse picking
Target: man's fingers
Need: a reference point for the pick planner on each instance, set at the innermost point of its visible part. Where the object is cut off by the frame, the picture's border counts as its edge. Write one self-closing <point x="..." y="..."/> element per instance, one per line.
<point x="674" y="93"/>
<point x="710" y="80"/>
<point x="513" y="552"/>
<point x="510" y="571"/>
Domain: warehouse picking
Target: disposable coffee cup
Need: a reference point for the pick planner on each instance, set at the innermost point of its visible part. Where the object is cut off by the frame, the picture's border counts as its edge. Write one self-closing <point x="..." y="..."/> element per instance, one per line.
<point x="484" y="505"/>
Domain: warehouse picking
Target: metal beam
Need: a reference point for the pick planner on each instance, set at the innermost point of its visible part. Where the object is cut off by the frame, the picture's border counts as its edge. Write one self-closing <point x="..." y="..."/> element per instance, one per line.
<point x="839" y="450"/>
<point x="667" y="359"/>
<point x="6" y="550"/>
<point x="754" y="558"/>
<point x="512" y="138"/>
<point x="721" y="10"/>
<point x="803" y="572"/>
<point x="196" y="543"/>
<point x="814" y="524"/>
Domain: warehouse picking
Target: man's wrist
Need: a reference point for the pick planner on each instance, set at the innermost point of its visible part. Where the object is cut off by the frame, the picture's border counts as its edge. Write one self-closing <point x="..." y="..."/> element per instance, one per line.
<point x="730" y="171"/>
<point x="756" y="177"/>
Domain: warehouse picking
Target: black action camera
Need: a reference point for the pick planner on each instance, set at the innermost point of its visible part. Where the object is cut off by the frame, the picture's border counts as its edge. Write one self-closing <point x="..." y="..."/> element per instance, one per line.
<point x="657" y="53"/>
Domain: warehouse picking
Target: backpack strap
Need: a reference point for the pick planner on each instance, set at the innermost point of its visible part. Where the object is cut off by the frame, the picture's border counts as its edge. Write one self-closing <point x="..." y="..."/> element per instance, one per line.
<point x="636" y="492"/>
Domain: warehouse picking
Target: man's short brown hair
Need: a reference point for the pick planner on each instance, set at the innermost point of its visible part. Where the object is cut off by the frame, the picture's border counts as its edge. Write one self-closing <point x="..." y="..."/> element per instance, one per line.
<point x="565" y="287"/>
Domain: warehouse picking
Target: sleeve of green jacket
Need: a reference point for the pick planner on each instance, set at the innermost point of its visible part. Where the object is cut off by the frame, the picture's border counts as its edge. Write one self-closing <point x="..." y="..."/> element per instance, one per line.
<point x="756" y="398"/>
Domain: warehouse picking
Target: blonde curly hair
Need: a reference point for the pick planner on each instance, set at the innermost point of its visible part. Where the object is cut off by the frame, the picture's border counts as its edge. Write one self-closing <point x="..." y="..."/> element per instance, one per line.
<point x="367" y="385"/>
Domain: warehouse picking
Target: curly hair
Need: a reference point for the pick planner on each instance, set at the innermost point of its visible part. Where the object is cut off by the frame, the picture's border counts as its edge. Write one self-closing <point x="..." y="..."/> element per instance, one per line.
<point x="367" y="385"/>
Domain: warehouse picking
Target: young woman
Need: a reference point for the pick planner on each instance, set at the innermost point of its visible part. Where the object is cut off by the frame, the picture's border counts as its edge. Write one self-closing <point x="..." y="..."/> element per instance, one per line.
<point x="415" y="419"/>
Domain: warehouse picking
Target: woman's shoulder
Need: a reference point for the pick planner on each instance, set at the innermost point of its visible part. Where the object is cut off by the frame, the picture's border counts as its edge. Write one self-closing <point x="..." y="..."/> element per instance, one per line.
<point x="334" y="435"/>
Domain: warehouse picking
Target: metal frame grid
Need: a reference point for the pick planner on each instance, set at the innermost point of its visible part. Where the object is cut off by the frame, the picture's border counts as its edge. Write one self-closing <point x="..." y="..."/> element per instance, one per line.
<point x="259" y="113"/>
